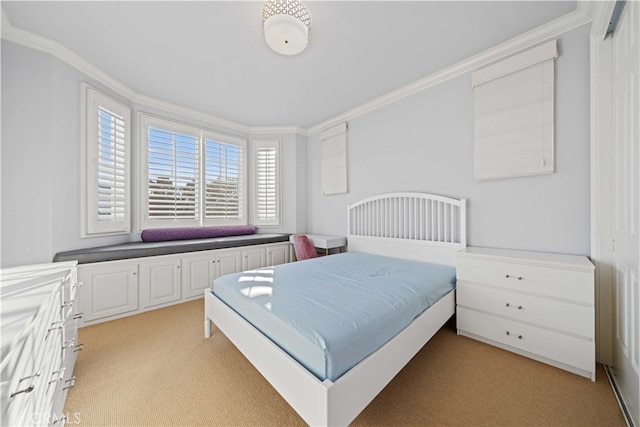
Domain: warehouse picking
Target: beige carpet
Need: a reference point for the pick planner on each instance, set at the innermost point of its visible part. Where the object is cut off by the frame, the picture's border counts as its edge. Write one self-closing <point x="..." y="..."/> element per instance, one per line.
<point x="157" y="368"/>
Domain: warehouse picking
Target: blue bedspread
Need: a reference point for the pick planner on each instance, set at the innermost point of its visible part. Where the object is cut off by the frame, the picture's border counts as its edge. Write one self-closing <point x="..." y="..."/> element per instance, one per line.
<point x="331" y="312"/>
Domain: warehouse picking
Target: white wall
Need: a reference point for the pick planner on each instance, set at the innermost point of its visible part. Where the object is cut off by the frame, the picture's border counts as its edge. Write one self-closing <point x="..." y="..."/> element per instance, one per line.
<point x="27" y="188"/>
<point x="41" y="166"/>
<point x="425" y="143"/>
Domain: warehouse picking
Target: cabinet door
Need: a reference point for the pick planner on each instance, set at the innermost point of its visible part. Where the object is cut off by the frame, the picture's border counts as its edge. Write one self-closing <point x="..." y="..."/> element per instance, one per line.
<point x="228" y="262"/>
<point x="197" y="274"/>
<point x="107" y="289"/>
<point x="160" y="281"/>
<point x="253" y="258"/>
<point x="278" y="254"/>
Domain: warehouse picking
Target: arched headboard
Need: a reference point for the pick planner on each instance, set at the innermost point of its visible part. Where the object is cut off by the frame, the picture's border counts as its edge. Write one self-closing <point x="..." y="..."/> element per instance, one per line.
<point x="419" y="226"/>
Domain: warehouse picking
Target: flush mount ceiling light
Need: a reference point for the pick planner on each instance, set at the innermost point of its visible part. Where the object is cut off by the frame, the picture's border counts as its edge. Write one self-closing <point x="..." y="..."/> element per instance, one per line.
<point x="286" y="25"/>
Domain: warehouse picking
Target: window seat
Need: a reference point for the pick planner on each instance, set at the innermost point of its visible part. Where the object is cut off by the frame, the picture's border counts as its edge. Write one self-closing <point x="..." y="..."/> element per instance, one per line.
<point x="147" y="249"/>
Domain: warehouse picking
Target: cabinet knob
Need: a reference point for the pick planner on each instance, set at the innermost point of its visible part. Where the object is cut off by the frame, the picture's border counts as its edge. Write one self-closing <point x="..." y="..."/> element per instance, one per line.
<point x="518" y="336"/>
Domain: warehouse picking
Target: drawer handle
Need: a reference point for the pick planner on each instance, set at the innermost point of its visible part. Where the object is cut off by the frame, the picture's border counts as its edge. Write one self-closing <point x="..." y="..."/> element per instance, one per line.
<point x="71" y="381"/>
<point x="518" y="307"/>
<point x="27" y="389"/>
<point x="508" y="276"/>
<point x="24" y="390"/>
<point x="78" y="316"/>
<point x="54" y="326"/>
<point x="519" y="336"/>
<point x="60" y="374"/>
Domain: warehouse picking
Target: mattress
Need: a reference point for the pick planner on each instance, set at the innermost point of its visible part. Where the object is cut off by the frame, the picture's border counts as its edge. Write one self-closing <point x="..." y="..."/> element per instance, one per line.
<point x="331" y="312"/>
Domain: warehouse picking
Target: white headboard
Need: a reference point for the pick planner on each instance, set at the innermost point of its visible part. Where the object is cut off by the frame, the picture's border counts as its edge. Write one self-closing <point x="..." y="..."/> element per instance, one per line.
<point x="418" y="226"/>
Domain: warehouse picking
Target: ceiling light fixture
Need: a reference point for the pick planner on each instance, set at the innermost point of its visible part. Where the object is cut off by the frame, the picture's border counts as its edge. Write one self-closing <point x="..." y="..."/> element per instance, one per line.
<point x="286" y="25"/>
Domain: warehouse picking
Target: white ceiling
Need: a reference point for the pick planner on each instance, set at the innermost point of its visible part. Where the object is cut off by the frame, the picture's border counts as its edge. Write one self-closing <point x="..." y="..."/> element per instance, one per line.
<point x="211" y="56"/>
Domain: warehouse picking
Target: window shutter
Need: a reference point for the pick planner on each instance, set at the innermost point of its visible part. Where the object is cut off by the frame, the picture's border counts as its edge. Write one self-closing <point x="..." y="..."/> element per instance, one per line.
<point x="267" y="193"/>
<point x="173" y="174"/>
<point x="107" y="167"/>
<point x="513" y="127"/>
<point x="224" y="179"/>
<point x="190" y="177"/>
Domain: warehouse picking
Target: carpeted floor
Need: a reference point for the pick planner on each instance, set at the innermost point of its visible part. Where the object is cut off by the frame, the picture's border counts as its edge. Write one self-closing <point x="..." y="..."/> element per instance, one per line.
<point x="157" y="368"/>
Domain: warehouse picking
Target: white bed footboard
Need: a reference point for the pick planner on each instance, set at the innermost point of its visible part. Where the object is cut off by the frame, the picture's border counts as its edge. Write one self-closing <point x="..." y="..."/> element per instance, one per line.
<point x="418" y="226"/>
<point x="327" y="403"/>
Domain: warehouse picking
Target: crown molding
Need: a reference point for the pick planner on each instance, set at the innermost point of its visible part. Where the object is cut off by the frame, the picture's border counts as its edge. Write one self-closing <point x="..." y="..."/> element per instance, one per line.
<point x="581" y="16"/>
<point x="601" y="15"/>
<point x="541" y="34"/>
<point x="268" y="130"/>
<point x="59" y="51"/>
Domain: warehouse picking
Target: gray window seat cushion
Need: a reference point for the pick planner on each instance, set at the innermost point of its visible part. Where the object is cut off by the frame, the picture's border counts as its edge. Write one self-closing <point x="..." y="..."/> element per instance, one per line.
<point x="147" y="249"/>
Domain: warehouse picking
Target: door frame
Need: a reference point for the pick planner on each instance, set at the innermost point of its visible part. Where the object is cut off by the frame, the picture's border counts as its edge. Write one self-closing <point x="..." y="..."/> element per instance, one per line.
<point x="601" y="177"/>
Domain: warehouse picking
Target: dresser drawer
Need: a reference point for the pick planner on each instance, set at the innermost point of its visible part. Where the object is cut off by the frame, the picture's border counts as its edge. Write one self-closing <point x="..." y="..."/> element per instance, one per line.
<point x="552" y="282"/>
<point x="568" y="350"/>
<point x="563" y="316"/>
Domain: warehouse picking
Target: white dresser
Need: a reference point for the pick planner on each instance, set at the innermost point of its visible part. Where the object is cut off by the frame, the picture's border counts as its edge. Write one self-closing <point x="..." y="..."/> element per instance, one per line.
<point x="535" y="304"/>
<point x="39" y="342"/>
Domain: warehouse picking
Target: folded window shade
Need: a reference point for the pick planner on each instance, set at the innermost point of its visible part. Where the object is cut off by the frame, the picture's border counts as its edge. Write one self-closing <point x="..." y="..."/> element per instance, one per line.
<point x="513" y="112"/>
<point x="333" y="148"/>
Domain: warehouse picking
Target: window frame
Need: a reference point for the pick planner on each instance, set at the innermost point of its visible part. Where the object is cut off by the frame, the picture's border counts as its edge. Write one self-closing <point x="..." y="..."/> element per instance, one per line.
<point x="260" y="144"/>
<point x="91" y="225"/>
<point x="145" y="120"/>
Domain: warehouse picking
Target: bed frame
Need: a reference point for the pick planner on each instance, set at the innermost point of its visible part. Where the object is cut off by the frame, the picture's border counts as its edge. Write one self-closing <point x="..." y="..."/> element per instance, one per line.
<point x="405" y="225"/>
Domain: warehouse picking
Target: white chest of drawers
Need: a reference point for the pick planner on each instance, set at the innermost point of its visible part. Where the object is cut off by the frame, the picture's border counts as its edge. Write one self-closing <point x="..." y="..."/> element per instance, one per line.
<point x="535" y="304"/>
<point x="39" y="342"/>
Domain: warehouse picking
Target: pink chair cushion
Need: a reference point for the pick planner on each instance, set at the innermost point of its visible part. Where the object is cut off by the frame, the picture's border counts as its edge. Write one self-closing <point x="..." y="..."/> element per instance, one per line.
<point x="303" y="247"/>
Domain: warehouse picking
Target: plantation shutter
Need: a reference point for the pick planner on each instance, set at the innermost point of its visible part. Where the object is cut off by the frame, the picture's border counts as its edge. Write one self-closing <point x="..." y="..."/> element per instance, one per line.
<point x="107" y="148"/>
<point x="224" y="190"/>
<point x="513" y="126"/>
<point x="173" y="175"/>
<point x="267" y="171"/>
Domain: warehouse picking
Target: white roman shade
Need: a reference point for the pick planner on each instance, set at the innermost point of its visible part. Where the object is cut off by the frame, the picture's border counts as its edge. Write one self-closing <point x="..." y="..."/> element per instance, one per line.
<point x="514" y="115"/>
<point x="267" y="183"/>
<point x="333" y="149"/>
<point x="107" y="166"/>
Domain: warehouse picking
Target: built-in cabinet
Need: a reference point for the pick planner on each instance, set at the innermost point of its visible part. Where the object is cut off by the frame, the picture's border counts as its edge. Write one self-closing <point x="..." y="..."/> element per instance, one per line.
<point x="112" y="289"/>
<point x="39" y="342"/>
<point x="160" y="280"/>
<point x="121" y="288"/>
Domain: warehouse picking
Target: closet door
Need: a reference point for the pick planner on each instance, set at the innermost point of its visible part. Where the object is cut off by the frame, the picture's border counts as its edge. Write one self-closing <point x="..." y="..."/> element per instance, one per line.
<point x="626" y="192"/>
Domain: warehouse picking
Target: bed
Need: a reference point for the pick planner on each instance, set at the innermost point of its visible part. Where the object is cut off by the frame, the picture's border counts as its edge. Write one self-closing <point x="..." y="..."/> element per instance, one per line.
<point x="326" y="389"/>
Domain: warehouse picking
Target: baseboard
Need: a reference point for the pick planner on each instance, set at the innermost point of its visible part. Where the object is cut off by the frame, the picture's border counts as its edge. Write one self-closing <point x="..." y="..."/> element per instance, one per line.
<point x="616" y="392"/>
